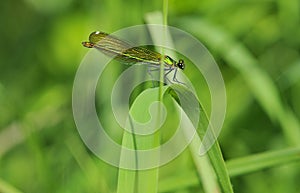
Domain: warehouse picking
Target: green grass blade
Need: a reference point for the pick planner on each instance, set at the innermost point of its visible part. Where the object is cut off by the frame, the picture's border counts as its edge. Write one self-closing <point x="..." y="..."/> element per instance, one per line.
<point x="291" y="76"/>
<point x="7" y="188"/>
<point x="260" y="161"/>
<point x="208" y="177"/>
<point x="142" y="180"/>
<point x="185" y="180"/>
<point x="260" y="83"/>
<point x="92" y="175"/>
<point x="126" y="178"/>
<point x="240" y="166"/>
<point x="211" y="167"/>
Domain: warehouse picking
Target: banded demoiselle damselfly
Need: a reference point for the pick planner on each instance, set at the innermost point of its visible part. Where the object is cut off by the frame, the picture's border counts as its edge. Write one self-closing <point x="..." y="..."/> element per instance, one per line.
<point x="126" y="53"/>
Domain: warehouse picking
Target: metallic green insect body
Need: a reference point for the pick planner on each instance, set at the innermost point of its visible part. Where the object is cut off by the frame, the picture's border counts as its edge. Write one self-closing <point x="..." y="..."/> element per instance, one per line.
<point x="124" y="52"/>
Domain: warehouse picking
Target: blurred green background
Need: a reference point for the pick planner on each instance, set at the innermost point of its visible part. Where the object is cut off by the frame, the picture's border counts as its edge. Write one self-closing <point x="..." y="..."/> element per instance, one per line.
<point x="256" y="44"/>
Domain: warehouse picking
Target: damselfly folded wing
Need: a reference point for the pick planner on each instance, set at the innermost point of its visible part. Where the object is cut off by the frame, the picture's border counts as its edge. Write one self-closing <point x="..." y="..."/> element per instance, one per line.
<point x="122" y="50"/>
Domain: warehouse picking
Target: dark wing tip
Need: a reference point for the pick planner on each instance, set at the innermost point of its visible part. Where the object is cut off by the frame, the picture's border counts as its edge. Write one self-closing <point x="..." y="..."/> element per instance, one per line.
<point x="96" y="36"/>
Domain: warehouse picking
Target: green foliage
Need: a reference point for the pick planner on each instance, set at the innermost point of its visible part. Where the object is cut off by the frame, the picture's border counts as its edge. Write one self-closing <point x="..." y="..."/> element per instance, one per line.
<point x="255" y="43"/>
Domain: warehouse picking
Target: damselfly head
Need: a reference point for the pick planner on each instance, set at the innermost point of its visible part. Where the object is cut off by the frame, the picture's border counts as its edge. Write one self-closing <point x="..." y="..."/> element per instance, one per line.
<point x="181" y="64"/>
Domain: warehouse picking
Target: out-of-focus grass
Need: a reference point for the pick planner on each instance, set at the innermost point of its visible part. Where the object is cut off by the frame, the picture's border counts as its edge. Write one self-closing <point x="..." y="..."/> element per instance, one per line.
<point x="259" y="82"/>
<point x="256" y="44"/>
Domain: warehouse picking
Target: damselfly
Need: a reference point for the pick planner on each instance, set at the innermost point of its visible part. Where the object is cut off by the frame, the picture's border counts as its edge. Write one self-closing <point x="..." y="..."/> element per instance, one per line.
<point x="126" y="53"/>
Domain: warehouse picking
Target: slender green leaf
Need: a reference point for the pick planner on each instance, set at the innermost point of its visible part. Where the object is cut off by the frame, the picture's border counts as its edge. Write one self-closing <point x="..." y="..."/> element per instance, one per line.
<point x="240" y="166"/>
<point x="5" y="187"/>
<point x="184" y="180"/>
<point x="262" y="86"/>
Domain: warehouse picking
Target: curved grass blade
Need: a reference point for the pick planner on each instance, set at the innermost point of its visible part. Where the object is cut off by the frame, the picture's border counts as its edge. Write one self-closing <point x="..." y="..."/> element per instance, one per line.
<point x="260" y="83"/>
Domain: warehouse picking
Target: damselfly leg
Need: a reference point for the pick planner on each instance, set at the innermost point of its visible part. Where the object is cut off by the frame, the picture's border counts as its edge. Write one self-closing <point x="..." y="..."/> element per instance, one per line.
<point x="168" y="70"/>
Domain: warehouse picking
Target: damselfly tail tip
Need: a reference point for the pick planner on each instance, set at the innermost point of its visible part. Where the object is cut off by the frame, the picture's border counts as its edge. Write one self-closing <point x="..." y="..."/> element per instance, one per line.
<point x="88" y="44"/>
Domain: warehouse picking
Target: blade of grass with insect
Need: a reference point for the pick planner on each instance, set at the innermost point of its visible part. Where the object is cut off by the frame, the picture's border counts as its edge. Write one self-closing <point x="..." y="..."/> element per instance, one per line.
<point x="208" y="176"/>
<point x="143" y="181"/>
